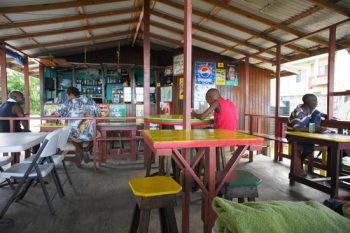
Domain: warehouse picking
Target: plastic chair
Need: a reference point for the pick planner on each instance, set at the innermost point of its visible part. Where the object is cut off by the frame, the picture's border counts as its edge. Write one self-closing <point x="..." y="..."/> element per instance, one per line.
<point x="28" y="172"/>
<point x="243" y="185"/>
<point x="4" y="161"/>
<point x="58" y="158"/>
<point x="156" y="192"/>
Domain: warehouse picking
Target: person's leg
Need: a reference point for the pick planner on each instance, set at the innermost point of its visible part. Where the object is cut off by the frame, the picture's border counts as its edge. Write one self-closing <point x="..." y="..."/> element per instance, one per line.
<point x="307" y="149"/>
<point x="78" y="152"/>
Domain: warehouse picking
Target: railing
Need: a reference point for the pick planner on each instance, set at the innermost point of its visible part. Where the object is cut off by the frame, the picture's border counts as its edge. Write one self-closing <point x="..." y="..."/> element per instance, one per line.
<point x="254" y="126"/>
<point x="95" y="120"/>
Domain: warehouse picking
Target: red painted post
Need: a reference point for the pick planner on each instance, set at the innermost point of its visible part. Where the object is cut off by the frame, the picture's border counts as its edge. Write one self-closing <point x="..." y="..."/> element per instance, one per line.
<point x="42" y="89"/>
<point x="278" y="73"/>
<point x="74" y="79"/>
<point x="146" y="59"/>
<point x="3" y="73"/>
<point x="187" y="109"/>
<point x="26" y="85"/>
<point x="246" y="87"/>
<point x="331" y="61"/>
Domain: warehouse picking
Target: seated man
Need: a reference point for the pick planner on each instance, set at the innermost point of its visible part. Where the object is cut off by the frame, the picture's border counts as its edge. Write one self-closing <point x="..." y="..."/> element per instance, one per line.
<point x="82" y="130"/>
<point x="12" y="108"/>
<point x="300" y="119"/>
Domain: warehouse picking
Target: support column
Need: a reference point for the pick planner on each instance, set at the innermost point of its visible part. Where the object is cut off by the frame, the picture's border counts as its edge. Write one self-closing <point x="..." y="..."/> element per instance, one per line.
<point x="187" y="110"/>
<point x="42" y="89"/>
<point x="146" y="59"/>
<point x="3" y="73"/>
<point x="331" y="61"/>
<point x="26" y="85"/>
<point x="277" y="100"/>
<point x="74" y="79"/>
<point x="246" y="88"/>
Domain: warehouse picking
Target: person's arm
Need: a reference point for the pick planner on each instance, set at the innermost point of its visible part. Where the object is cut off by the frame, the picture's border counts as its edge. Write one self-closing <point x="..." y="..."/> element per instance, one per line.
<point x="16" y="109"/>
<point x="207" y="112"/>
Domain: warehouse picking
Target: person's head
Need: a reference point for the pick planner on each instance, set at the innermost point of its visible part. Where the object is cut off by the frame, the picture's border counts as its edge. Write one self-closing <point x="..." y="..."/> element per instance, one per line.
<point x="310" y="100"/>
<point x="17" y="96"/>
<point x="212" y="95"/>
<point x="73" y="92"/>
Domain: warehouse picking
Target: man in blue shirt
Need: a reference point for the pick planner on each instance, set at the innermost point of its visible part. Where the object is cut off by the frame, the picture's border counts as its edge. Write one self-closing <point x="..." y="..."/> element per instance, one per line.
<point x="300" y="119"/>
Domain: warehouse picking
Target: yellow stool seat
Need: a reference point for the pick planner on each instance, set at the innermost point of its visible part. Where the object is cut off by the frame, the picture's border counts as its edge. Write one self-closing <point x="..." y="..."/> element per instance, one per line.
<point x="154" y="186"/>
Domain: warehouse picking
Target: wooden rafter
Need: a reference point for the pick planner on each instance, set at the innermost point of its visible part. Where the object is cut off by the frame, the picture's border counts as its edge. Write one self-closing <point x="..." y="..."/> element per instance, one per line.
<point x="81" y="48"/>
<point x="207" y="41"/>
<point x="68" y="30"/>
<point x="266" y="21"/>
<point x="69" y="18"/>
<point x="74" y="41"/>
<point x="332" y="6"/>
<point x="85" y="23"/>
<point x="295" y="18"/>
<point x="234" y="26"/>
<point x="53" y="6"/>
<point x="137" y="28"/>
<point x="211" y="32"/>
<point x="165" y="39"/>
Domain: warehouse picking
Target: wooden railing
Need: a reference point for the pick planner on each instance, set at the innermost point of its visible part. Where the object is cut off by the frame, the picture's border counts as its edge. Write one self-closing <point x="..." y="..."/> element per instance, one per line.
<point x="254" y="126"/>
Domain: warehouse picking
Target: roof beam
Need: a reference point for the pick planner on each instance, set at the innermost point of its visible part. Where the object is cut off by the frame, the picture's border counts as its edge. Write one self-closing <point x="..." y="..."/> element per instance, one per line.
<point x="332" y="6"/>
<point x="165" y="39"/>
<point x="53" y="6"/>
<point x="69" y="18"/>
<point x="204" y="40"/>
<point x="68" y="30"/>
<point x="85" y="23"/>
<point x="81" y="48"/>
<point x="213" y="33"/>
<point x="74" y="41"/>
<point x="137" y="27"/>
<point x="265" y="21"/>
<point x="295" y="18"/>
<point x="234" y="26"/>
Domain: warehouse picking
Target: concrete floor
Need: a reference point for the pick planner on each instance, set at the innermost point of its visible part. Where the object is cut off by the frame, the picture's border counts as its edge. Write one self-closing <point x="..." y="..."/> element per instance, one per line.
<point x="102" y="202"/>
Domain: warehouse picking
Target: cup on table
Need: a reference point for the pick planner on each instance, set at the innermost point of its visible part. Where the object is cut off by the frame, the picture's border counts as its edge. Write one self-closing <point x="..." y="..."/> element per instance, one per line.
<point x="312" y="128"/>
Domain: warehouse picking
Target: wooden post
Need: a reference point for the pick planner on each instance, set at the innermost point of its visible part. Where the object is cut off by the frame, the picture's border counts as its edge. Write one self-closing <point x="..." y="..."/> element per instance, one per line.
<point x="331" y="61"/>
<point x="146" y="59"/>
<point x="42" y="89"/>
<point x="278" y="73"/>
<point x="246" y="88"/>
<point x="187" y="110"/>
<point x="74" y="78"/>
<point x="3" y="73"/>
<point x="26" y="85"/>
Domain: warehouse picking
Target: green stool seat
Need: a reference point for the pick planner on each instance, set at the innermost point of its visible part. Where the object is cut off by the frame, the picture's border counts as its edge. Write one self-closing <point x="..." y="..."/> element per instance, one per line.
<point x="243" y="185"/>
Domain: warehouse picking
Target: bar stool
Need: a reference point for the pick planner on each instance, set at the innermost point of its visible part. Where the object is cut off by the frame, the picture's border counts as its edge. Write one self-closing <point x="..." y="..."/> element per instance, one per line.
<point x="156" y="192"/>
<point x="243" y="185"/>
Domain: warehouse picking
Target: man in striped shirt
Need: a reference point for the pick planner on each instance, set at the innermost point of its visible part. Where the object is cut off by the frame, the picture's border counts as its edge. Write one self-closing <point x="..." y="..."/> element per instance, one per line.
<point x="300" y="119"/>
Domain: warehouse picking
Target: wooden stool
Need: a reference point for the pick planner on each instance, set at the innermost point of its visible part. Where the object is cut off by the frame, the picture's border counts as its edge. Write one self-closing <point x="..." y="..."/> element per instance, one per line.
<point x="243" y="185"/>
<point x="156" y="192"/>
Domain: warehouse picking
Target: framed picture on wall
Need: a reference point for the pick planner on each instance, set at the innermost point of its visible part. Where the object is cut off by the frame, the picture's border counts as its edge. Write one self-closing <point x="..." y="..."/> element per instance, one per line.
<point x="178" y="65"/>
<point x="232" y="75"/>
<point x="204" y="72"/>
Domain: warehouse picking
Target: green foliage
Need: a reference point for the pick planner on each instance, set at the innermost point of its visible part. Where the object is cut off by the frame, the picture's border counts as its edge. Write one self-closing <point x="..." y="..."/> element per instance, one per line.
<point x="15" y="81"/>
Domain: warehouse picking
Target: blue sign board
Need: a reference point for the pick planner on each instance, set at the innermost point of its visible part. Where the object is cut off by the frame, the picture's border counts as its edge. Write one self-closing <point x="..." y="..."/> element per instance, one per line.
<point x="204" y="72"/>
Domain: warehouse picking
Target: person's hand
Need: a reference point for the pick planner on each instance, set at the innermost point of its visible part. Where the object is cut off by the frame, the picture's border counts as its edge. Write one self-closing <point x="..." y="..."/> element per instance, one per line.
<point x="320" y="129"/>
<point x="193" y="114"/>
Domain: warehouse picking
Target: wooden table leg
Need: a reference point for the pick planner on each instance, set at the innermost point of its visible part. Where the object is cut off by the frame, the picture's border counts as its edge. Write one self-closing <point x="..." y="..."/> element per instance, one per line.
<point x="334" y="160"/>
<point x="186" y="194"/>
<point x="209" y="214"/>
<point x="147" y="154"/>
<point x="133" y="143"/>
<point x="295" y="166"/>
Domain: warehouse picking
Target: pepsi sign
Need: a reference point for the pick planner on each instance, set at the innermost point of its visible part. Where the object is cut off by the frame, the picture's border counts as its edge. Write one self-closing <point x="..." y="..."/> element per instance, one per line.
<point x="204" y="73"/>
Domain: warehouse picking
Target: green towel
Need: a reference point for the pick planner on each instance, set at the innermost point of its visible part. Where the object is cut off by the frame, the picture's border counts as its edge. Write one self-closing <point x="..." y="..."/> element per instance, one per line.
<point x="277" y="217"/>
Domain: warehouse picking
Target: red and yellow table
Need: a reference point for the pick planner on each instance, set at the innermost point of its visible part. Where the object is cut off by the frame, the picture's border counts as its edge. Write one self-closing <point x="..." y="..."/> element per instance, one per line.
<point x="170" y="143"/>
<point x="334" y="143"/>
<point x="175" y="120"/>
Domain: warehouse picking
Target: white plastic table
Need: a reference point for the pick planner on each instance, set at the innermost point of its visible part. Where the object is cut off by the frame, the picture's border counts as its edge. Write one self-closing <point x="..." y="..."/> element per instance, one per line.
<point x="18" y="142"/>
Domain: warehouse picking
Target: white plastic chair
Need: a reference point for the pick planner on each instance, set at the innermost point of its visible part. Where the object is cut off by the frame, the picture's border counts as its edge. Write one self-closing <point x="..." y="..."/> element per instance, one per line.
<point x="4" y="161"/>
<point x="59" y="156"/>
<point x="28" y="172"/>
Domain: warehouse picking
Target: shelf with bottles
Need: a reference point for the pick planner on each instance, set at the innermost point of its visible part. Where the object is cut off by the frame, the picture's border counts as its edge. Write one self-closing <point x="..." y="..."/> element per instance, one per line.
<point x="90" y="90"/>
<point x="89" y="82"/>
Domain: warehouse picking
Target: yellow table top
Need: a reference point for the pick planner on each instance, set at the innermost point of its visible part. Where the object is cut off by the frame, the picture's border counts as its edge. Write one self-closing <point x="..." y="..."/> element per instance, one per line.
<point x="51" y="125"/>
<point x="326" y="137"/>
<point x="200" y="138"/>
<point x="173" y="118"/>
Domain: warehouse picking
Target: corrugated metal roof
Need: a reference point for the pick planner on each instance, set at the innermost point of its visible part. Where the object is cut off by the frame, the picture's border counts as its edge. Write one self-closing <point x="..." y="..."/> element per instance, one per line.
<point x="235" y="28"/>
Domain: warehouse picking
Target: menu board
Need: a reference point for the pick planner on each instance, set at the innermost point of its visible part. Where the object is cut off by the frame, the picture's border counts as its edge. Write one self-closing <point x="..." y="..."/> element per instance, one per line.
<point x="166" y="94"/>
<point x="220" y="77"/>
<point x="178" y="65"/>
<point x="117" y="110"/>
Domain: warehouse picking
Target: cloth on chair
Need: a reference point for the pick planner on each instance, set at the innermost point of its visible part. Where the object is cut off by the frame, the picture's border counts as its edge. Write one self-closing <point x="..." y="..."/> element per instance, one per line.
<point x="277" y="217"/>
